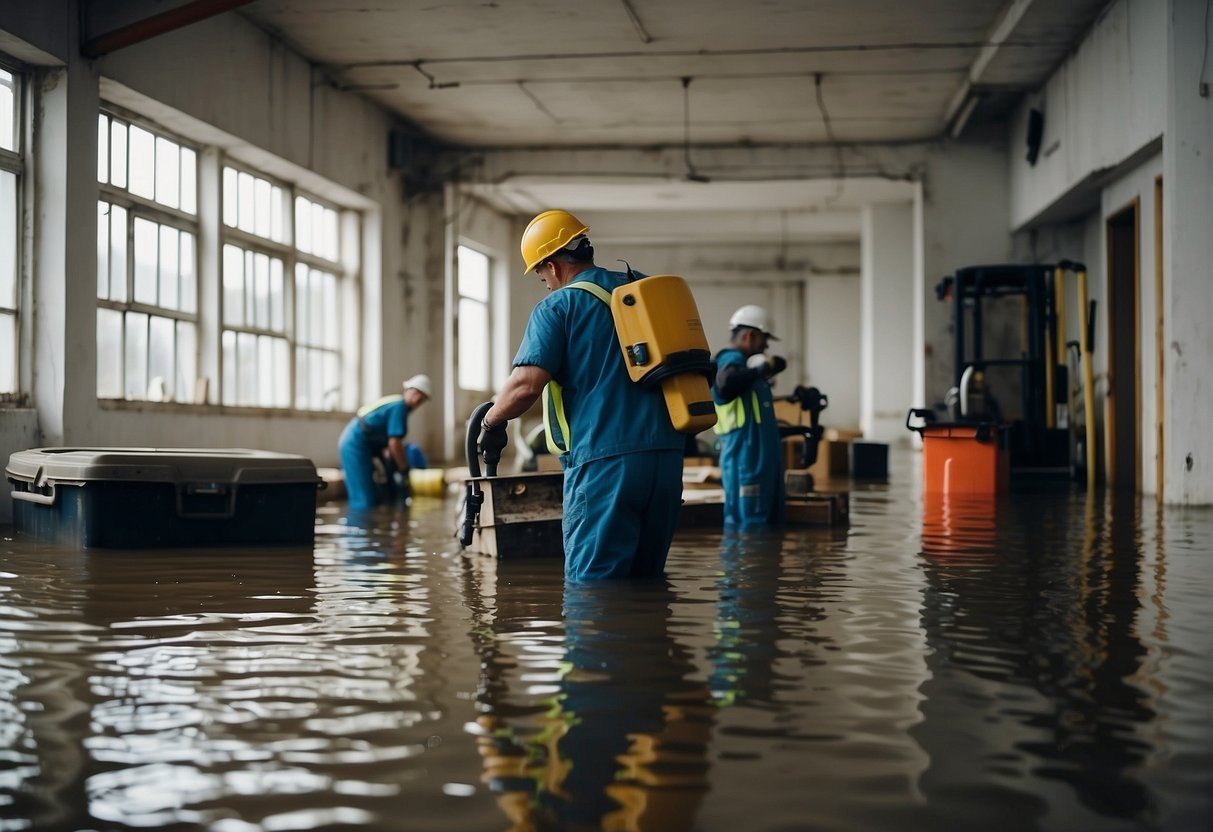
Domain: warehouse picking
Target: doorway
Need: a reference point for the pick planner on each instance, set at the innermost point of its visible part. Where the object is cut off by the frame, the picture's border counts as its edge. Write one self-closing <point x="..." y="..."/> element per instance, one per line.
<point x="1123" y="407"/>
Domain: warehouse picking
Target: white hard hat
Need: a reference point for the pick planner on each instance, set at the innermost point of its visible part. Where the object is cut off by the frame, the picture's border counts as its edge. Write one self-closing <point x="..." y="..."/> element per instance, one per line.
<point x="419" y="382"/>
<point x="755" y="317"/>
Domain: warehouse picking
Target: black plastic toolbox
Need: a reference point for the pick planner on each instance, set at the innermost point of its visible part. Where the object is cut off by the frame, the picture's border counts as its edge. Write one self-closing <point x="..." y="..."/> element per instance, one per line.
<point x="157" y="497"/>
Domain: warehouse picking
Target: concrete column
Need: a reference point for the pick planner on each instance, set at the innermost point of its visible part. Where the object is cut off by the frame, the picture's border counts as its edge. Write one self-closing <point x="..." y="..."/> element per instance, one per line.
<point x="1188" y="257"/>
<point x="65" y="253"/>
<point x="887" y="326"/>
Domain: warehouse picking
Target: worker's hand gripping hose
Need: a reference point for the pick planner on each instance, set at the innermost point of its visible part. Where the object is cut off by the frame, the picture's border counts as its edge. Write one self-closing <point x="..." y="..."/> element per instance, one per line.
<point x="474" y="495"/>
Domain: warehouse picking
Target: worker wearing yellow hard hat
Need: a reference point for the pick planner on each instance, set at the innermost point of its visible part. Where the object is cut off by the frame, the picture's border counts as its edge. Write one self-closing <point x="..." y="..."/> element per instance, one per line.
<point x="621" y="455"/>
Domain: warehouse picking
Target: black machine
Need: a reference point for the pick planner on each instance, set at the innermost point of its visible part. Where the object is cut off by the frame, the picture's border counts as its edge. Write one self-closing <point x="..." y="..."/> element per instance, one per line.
<point x="812" y="401"/>
<point x="1028" y="387"/>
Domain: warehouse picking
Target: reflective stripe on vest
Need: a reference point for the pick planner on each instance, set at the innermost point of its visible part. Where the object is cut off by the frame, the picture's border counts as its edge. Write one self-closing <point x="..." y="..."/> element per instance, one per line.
<point x="731" y="415"/>
<point x="555" y="422"/>
<point x="366" y="409"/>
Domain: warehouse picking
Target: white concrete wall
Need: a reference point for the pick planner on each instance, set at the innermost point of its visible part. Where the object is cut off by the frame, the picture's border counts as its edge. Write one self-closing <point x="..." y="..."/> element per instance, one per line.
<point x="887" y="288"/>
<point x="1101" y="106"/>
<point x="833" y="328"/>
<point x="18" y="432"/>
<point x="965" y="223"/>
<point x="1131" y="88"/>
<point x="1188" y="253"/>
<point x="263" y="104"/>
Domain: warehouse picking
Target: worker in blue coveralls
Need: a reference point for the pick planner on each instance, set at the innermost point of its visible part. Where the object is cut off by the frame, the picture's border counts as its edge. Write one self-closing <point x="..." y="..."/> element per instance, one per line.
<point x="751" y="456"/>
<point x="621" y="456"/>
<point x="378" y="427"/>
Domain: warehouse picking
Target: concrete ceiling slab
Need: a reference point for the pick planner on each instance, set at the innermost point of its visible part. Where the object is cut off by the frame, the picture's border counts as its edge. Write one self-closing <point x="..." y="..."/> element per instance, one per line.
<point x="682" y="73"/>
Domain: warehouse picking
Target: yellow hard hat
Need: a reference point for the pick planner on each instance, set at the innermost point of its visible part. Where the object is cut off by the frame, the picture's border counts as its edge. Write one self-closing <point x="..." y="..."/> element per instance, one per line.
<point x="547" y="234"/>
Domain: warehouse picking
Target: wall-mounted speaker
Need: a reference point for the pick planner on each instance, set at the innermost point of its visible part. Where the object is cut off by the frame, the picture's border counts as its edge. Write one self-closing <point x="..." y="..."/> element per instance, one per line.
<point x="1036" y="131"/>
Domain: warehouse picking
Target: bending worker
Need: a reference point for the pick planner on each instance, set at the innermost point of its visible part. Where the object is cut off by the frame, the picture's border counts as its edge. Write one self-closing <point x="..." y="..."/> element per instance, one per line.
<point x="622" y="457"/>
<point x="751" y="455"/>
<point x="378" y="426"/>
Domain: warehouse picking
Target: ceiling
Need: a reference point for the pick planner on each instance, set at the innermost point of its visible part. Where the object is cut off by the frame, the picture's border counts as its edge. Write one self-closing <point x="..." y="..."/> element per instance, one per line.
<point x="686" y="75"/>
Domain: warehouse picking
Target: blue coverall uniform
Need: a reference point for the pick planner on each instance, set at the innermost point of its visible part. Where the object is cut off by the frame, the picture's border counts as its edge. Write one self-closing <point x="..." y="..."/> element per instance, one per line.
<point x="751" y="455"/>
<point x="623" y="463"/>
<point x="363" y="439"/>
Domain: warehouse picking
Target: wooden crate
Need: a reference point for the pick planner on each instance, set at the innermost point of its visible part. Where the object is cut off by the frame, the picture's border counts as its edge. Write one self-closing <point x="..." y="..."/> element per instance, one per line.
<point x="520" y="517"/>
<point x="826" y="509"/>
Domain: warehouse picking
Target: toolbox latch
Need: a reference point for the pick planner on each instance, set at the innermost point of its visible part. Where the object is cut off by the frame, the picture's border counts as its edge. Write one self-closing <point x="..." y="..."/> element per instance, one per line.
<point x="206" y="499"/>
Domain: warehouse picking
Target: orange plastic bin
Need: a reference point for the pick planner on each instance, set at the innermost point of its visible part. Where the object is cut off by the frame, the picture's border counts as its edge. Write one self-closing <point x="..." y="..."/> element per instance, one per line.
<point x="962" y="457"/>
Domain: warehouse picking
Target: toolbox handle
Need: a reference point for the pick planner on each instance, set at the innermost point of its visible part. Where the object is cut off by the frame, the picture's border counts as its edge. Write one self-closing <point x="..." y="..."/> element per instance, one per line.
<point x="35" y="497"/>
<point x="925" y="413"/>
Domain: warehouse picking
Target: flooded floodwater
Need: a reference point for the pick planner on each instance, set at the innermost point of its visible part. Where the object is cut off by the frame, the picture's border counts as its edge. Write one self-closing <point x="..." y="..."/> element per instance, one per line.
<point x="1040" y="662"/>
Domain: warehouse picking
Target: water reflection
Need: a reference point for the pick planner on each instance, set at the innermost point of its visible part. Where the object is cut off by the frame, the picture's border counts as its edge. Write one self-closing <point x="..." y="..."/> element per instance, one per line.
<point x="1035" y="655"/>
<point x="589" y="716"/>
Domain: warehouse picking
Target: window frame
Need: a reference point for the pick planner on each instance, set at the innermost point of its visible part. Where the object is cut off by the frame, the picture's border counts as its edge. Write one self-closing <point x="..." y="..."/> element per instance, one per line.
<point x="14" y="162"/>
<point x="291" y="255"/>
<point x="149" y="209"/>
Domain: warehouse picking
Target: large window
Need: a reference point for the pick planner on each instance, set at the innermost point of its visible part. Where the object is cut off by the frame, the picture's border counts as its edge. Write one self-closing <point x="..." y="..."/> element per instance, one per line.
<point x="275" y="330"/>
<point x="11" y="169"/>
<point x="147" y="291"/>
<point x="473" y="312"/>
<point x="255" y="293"/>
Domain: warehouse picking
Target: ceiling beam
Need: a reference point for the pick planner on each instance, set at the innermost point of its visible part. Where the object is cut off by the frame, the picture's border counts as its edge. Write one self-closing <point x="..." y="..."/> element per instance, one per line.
<point x="965" y="98"/>
<point x="149" y="27"/>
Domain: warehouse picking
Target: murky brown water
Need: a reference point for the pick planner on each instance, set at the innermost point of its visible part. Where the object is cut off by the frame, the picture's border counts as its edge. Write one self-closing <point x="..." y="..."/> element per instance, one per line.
<point x="1042" y="663"/>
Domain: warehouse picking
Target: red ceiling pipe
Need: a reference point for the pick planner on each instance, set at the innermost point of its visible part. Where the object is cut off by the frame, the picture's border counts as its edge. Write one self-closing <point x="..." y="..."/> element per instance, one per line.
<point x="157" y="24"/>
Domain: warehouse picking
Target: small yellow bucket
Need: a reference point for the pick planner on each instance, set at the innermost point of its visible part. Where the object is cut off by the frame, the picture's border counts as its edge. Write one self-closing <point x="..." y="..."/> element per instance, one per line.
<point x="427" y="482"/>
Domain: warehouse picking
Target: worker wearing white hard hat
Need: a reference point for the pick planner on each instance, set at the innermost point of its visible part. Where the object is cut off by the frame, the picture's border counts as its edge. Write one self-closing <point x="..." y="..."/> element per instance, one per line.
<point x="376" y="433"/>
<point x="751" y="455"/>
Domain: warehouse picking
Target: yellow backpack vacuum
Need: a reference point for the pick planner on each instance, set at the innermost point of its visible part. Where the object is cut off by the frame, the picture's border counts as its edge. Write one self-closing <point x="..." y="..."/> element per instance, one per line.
<point x="663" y="342"/>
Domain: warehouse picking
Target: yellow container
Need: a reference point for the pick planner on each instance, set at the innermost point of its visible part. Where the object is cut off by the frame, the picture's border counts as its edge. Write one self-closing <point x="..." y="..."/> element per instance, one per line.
<point x="427" y="482"/>
<point x="689" y="400"/>
<point x="660" y="332"/>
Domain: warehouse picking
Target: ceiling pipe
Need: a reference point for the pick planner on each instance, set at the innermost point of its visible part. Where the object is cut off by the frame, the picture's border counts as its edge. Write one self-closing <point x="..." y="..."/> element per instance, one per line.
<point x="157" y="24"/>
<point x="964" y="97"/>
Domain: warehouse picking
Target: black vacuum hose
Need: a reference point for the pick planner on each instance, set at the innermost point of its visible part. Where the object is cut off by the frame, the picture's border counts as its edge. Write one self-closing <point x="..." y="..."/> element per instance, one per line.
<point x="474" y="496"/>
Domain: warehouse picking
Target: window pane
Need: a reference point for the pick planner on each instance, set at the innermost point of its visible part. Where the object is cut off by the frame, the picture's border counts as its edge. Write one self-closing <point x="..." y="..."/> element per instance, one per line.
<point x="109" y="344"/>
<point x="145" y="261"/>
<point x="261" y="208"/>
<point x="162" y="359"/>
<point x="143" y="162"/>
<point x="261" y="272"/>
<point x="189" y="286"/>
<point x="473" y="274"/>
<point x="189" y="181"/>
<point x="168" y="173"/>
<point x="277" y="232"/>
<point x="331" y="312"/>
<point x="103" y="247"/>
<point x="303" y="225"/>
<point x="281" y="369"/>
<point x="277" y="297"/>
<point x="8" y="239"/>
<point x="229" y="367"/>
<point x="136" y="355"/>
<point x="117" y="154"/>
<point x="169" y="265"/>
<point x="233" y="286"/>
<point x="8" y="353"/>
<point x="103" y="146"/>
<point x="303" y="317"/>
<point x="473" y="357"/>
<point x="246" y="356"/>
<point x="8" y="110"/>
<point x="244" y="214"/>
<point x="332" y="246"/>
<point x="302" y="388"/>
<point x="187" y="362"/>
<point x="231" y="204"/>
<point x="118" y="248"/>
